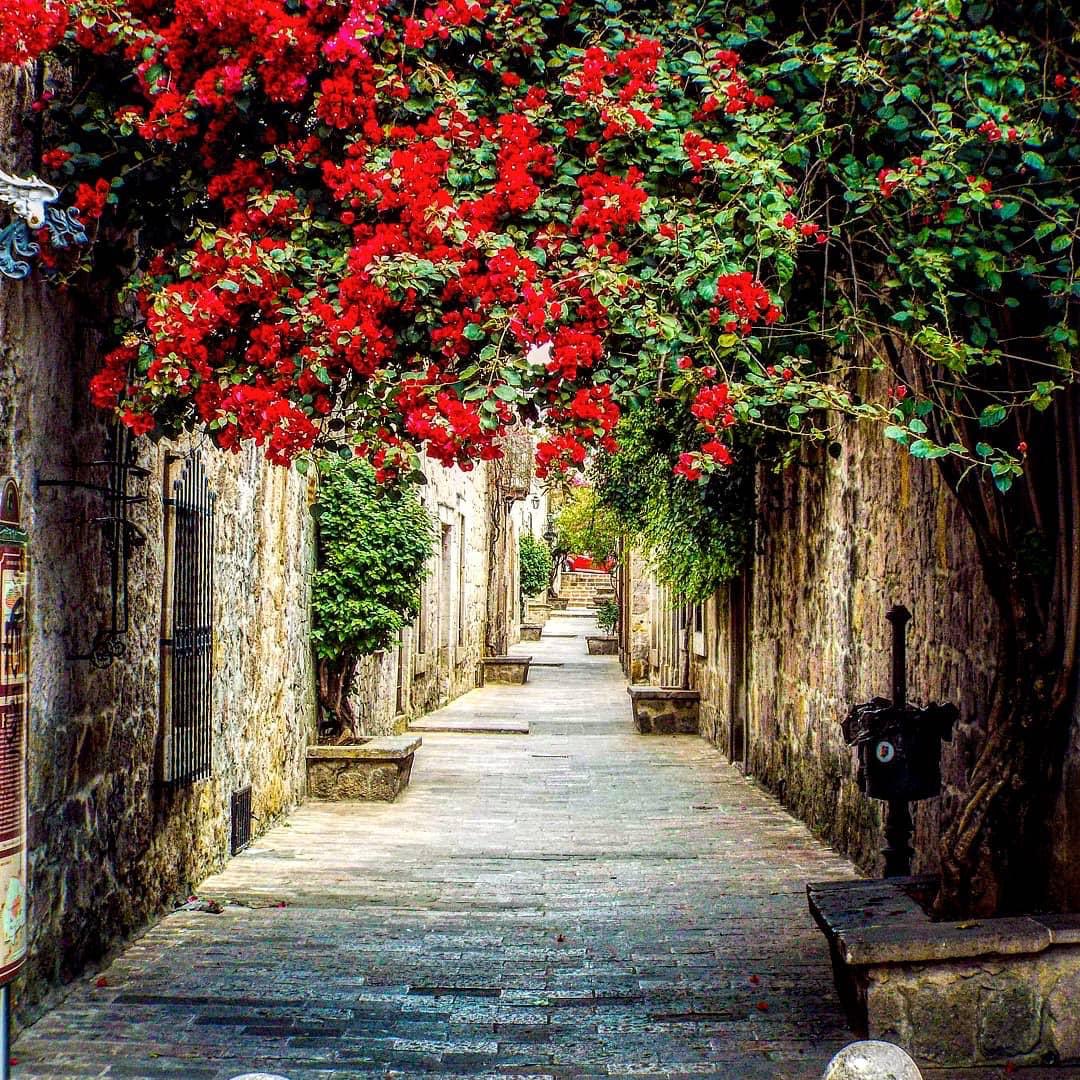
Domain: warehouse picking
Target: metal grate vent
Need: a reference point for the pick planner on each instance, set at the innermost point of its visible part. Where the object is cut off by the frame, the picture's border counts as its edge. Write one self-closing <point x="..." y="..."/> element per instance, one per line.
<point x="241" y="819"/>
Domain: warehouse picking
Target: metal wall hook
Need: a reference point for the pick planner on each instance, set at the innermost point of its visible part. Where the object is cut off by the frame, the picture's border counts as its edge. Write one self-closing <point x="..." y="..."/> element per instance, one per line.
<point x="122" y="536"/>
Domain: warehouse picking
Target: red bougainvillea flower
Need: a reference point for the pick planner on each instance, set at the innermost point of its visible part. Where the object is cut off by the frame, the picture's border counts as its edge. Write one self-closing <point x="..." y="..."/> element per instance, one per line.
<point x="29" y="28"/>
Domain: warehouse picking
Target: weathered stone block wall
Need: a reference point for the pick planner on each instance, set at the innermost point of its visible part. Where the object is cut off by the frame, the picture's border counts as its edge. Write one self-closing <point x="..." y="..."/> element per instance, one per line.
<point x="433" y="669"/>
<point x="839" y="541"/>
<point x="110" y="846"/>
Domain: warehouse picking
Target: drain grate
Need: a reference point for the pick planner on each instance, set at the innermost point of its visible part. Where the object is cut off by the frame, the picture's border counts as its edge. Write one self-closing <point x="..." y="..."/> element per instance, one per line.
<point x="241" y="819"/>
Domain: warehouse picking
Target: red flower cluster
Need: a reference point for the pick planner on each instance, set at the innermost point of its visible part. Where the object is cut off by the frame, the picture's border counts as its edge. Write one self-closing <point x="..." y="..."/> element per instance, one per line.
<point x="700" y="150"/>
<point x="888" y="181"/>
<point x="610" y="204"/>
<point x="713" y="407"/>
<point x="91" y="201"/>
<point x="747" y="300"/>
<point x="634" y="67"/>
<point x="30" y="27"/>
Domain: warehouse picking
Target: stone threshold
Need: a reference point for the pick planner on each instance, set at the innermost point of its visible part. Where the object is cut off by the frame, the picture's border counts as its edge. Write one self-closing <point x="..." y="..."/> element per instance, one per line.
<point x="965" y="993"/>
<point x="602" y="645"/>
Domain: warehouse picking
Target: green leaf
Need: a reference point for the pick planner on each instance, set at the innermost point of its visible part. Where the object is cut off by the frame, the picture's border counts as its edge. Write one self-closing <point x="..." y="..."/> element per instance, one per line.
<point x="992" y="415"/>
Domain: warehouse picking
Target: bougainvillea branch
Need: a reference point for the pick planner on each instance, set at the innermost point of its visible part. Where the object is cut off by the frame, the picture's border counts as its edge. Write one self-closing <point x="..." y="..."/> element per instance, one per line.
<point x="359" y="224"/>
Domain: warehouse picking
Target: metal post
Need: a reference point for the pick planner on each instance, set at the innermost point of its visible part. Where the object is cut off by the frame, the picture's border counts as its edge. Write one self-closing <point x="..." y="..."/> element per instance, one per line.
<point x="5" y="1032"/>
<point x="898" y="823"/>
<point x="899" y="616"/>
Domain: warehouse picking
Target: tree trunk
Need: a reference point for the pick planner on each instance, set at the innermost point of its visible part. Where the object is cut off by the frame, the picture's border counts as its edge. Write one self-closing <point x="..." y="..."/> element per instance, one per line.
<point x="996" y="850"/>
<point x="337" y="718"/>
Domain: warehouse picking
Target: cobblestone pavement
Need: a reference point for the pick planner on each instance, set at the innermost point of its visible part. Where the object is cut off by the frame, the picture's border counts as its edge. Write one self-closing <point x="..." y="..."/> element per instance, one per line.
<point x="580" y="901"/>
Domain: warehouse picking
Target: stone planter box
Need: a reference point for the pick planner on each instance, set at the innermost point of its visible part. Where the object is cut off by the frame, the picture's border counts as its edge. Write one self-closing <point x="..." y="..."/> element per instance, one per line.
<point x="537" y="613"/>
<point x="603" y="646"/>
<point x="531" y="631"/>
<point x="375" y="770"/>
<point x="953" y="994"/>
<point x="505" y="669"/>
<point x="557" y="603"/>
<point x="665" y="710"/>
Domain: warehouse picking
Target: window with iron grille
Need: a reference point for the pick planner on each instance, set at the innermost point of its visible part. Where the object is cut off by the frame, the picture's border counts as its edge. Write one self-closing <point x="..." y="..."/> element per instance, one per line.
<point x="188" y="641"/>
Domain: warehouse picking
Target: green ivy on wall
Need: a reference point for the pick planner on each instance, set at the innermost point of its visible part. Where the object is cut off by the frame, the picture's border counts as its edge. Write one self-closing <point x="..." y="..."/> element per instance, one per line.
<point x="697" y="536"/>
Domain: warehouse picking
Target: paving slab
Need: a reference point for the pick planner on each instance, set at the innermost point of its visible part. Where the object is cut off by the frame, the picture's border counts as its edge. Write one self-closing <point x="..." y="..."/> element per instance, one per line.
<point x="577" y="902"/>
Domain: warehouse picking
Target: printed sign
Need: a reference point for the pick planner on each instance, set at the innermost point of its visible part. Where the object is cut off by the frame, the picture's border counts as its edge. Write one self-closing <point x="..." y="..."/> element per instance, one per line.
<point x="14" y="663"/>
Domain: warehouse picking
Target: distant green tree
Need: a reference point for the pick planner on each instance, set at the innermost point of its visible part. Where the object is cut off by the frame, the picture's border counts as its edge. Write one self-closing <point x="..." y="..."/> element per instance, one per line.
<point x="584" y="526"/>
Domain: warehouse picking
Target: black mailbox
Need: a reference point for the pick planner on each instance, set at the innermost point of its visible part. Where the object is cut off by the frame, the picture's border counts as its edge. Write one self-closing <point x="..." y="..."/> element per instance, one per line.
<point x="899" y="747"/>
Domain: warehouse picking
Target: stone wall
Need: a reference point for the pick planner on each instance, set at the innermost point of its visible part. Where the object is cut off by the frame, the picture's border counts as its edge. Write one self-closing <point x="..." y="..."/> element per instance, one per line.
<point x="838" y="542"/>
<point x="110" y="845"/>
<point x="438" y="657"/>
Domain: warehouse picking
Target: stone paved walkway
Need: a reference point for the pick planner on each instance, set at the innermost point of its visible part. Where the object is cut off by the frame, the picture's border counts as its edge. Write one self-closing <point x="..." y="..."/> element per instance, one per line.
<point x="580" y="901"/>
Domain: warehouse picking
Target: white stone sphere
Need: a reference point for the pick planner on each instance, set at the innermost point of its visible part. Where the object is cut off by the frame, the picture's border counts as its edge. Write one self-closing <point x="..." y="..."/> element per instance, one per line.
<point x="872" y="1061"/>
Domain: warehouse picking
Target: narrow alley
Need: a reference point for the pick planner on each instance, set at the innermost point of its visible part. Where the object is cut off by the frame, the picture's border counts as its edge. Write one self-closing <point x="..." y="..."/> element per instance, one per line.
<point x="577" y="901"/>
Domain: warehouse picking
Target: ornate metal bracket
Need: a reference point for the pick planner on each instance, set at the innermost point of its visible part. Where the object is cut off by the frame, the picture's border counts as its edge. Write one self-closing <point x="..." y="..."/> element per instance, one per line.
<point x="31" y="200"/>
<point x="122" y="537"/>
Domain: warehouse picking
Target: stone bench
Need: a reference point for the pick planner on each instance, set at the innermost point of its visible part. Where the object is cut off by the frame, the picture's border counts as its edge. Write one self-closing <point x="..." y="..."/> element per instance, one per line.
<point x="505" y="669"/>
<point x="665" y="710"/>
<point x="963" y="994"/>
<point x="377" y="769"/>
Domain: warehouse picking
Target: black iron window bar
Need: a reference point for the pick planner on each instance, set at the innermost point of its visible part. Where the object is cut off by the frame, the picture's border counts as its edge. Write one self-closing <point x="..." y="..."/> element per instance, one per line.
<point x="189" y="648"/>
<point x="122" y="536"/>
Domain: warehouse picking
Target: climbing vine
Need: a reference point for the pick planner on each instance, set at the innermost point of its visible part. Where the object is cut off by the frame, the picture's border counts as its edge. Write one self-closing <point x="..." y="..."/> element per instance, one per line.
<point x="695" y="535"/>
<point x="584" y="526"/>
<point x="365" y="226"/>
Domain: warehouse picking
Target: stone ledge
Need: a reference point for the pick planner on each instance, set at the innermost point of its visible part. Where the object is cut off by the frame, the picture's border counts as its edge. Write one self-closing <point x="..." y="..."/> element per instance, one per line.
<point x="505" y="669"/>
<point x="662" y="693"/>
<point x="376" y="770"/>
<point x="955" y="994"/>
<point x="379" y="748"/>
<point x="602" y="646"/>
<point x="665" y="710"/>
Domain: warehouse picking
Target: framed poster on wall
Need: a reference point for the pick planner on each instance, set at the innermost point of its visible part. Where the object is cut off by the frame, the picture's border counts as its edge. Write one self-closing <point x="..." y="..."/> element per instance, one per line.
<point x="14" y="677"/>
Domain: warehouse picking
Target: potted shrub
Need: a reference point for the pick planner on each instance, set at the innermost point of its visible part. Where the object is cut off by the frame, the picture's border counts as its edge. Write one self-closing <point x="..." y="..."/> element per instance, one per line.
<point x="607" y="619"/>
<point x="374" y="544"/>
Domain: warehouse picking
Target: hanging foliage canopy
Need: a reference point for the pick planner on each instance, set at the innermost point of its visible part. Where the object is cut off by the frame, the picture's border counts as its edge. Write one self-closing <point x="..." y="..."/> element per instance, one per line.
<point x="359" y="223"/>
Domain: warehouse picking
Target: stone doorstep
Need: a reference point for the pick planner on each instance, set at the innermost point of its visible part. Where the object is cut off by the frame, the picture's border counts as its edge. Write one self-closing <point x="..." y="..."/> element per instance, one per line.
<point x="602" y="646"/>
<point x="665" y="710"/>
<point x="376" y="770"/>
<point x="662" y="693"/>
<point x="955" y="994"/>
